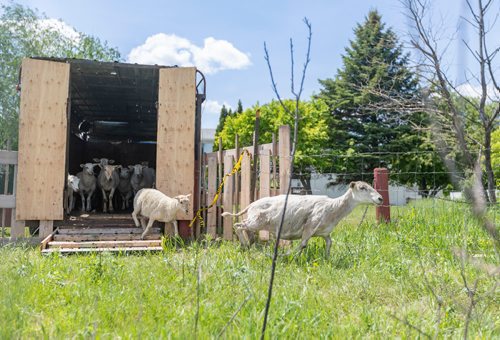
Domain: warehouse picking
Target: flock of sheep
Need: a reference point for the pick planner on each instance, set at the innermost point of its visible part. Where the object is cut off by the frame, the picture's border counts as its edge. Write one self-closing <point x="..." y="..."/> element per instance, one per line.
<point x="127" y="180"/>
<point x="305" y="216"/>
<point x="136" y="181"/>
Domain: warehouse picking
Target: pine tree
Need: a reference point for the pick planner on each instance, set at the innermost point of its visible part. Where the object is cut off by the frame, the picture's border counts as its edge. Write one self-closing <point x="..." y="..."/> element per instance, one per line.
<point x="373" y="63"/>
<point x="224" y="113"/>
<point x="239" y="108"/>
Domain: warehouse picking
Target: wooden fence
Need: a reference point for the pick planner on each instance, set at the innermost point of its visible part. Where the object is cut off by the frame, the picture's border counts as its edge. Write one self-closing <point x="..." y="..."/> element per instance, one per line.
<point x="8" y="177"/>
<point x="271" y="170"/>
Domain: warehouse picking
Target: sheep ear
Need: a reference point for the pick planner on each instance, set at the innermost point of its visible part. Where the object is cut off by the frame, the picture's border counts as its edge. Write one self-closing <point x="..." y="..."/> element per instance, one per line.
<point x="352" y="185"/>
<point x="96" y="160"/>
<point x="111" y="161"/>
<point x="131" y="167"/>
<point x="82" y="166"/>
<point x="188" y="195"/>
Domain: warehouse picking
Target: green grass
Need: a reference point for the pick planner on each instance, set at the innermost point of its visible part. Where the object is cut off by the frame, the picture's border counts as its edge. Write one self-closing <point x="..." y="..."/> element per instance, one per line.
<point x="376" y="273"/>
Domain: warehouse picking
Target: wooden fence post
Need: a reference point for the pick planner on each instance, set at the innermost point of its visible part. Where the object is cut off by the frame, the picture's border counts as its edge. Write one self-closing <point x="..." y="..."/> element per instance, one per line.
<point x="228" y="199"/>
<point x="381" y="184"/>
<point x="285" y="161"/>
<point x="284" y="155"/>
<point x="274" y="176"/>
<point x="255" y="155"/>
<point x="220" y="163"/>
<point x="265" y="184"/>
<point x="212" y="188"/>
<point x="237" y="175"/>
<point x="246" y="181"/>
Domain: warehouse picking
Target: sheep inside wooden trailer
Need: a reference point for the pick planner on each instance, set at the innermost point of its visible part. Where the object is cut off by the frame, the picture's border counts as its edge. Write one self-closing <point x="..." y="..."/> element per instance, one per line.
<point x="73" y="111"/>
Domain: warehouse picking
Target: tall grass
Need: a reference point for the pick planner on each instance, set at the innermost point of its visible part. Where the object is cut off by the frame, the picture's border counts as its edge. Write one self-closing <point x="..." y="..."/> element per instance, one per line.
<point x="378" y="281"/>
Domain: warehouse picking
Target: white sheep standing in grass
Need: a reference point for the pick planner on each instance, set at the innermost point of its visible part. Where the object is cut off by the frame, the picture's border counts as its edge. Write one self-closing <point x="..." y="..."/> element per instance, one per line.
<point x="153" y="205"/>
<point x="305" y="216"/>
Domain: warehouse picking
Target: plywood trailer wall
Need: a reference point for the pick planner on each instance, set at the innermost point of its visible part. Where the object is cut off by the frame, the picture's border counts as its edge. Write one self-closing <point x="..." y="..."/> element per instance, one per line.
<point x="175" y="153"/>
<point x="42" y="140"/>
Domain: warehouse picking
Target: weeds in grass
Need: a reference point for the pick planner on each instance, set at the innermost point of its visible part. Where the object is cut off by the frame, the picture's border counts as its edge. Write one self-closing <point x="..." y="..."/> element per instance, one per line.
<point x="375" y="273"/>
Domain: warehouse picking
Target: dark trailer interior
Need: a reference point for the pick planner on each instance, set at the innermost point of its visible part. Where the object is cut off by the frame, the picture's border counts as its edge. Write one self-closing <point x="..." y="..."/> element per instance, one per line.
<point x="113" y="113"/>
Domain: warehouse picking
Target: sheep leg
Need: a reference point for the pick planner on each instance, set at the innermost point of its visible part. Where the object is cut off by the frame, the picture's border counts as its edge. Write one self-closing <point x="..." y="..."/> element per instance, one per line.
<point x="89" y="200"/>
<point x="134" y="216"/>
<point x="328" y="242"/>
<point x="104" y="201"/>
<point x="82" y="196"/>
<point x="306" y="235"/>
<point x="148" y="227"/>
<point x="70" y="203"/>
<point x="111" y="194"/>
<point x="176" y="228"/>
<point x="127" y="199"/>
<point x="143" y="222"/>
<point x="243" y="235"/>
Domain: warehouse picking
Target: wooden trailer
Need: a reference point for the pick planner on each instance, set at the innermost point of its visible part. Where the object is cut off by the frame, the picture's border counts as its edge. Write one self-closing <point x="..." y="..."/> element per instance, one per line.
<point x="75" y="110"/>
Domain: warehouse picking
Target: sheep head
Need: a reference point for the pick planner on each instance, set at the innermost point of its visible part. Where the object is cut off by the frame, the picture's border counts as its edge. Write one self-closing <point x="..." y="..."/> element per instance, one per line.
<point x="363" y="192"/>
<point x="184" y="202"/>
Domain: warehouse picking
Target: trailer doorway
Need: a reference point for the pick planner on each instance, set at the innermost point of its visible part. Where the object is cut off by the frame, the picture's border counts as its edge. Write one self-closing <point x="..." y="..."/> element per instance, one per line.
<point x="113" y="115"/>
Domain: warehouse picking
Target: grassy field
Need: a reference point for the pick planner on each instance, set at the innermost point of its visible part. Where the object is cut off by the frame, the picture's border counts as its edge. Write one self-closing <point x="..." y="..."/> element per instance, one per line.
<point x="380" y="280"/>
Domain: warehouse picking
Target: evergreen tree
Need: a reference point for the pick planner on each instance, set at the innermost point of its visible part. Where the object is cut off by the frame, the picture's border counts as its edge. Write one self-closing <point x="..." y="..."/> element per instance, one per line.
<point x="224" y="113"/>
<point x="373" y="63"/>
<point x="239" y="108"/>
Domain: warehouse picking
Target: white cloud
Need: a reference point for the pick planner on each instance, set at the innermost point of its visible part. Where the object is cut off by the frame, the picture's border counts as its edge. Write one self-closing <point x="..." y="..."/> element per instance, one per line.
<point x="214" y="107"/>
<point x="169" y="49"/>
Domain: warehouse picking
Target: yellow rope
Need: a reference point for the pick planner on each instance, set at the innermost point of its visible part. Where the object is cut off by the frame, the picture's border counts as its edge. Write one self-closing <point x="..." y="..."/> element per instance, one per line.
<point x="236" y="168"/>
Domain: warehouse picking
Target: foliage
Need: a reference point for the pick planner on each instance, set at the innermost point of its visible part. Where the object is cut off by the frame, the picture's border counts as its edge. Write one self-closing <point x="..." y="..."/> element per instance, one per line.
<point x="495" y="154"/>
<point x="374" y="63"/>
<point x="374" y="275"/>
<point x="24" y="33"/>
<point x="313" y="130"/>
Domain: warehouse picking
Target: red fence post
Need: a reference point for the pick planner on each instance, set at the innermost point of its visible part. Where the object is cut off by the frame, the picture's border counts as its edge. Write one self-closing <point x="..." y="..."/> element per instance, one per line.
<point x="381" y="184"/>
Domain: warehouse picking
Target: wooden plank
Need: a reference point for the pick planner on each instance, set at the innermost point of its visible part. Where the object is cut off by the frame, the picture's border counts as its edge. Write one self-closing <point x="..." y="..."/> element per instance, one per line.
<point x="211" y="190"/>
<point x="8" y="157"/>
<point x="237" y="185"/>
<point x="274" y="177"/>
<point x="104" y="237"/>
<point x="46" y="240"/>
<point x="246" y="181"/>
<point x="7" y="201"/>
<point x="45" y="228"/>
<point x="89" y="231"/>
<point x="175" y="153"/>
<point x="265" y="186"/>
<point x="228" y="199"/>
<point x="265" y="175"/>
<point x="91" y="250"/>
<point x="42" y="140"/>
<point x="220" y="166"/>
<point x="284" y="155"/>
<point x="103" y="244"/>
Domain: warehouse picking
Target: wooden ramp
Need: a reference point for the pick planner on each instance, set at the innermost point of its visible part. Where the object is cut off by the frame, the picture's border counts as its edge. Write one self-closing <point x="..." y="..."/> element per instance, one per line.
<point x="98" y="233"/>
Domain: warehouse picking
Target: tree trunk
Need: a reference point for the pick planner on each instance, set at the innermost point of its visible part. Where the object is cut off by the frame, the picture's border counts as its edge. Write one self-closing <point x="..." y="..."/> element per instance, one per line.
<point x="423" y="188"/>
<point x="305" y="180"/>
<point x="489" y="169"/>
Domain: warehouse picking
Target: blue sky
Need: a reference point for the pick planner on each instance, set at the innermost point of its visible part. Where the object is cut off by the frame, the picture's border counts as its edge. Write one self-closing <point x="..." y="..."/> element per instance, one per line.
<point x="225" y="38"/>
